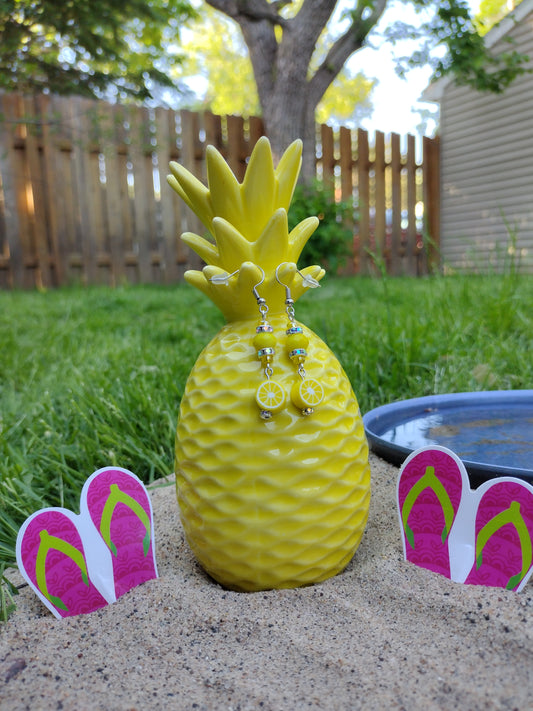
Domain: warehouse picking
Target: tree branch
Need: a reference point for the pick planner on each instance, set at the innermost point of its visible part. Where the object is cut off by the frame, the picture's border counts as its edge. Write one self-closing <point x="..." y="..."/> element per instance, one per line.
<point x="348" y="43"/>
<point x="252" y="10"/>
<point x="257" y="23"/>
<point x="298" y="45"/>
<point x="311" y="19"/>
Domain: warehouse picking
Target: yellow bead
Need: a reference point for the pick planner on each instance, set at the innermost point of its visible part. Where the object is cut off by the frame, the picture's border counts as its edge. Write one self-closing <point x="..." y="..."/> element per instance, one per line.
<point x="297" y="340"/>
<point x="264" y="340"/>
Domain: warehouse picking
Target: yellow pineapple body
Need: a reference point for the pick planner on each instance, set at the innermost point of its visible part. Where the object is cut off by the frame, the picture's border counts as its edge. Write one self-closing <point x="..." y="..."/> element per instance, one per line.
<point x="269" y="497"/>
<point x="269" y="504"/>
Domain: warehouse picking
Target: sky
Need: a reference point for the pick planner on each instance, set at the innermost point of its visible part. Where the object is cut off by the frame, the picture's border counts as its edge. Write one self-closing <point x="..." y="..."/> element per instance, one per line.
<point x="394" y="99"/>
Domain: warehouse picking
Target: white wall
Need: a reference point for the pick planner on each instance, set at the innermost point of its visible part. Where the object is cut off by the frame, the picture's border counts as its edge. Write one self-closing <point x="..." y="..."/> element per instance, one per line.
<point x="487" y="169"/>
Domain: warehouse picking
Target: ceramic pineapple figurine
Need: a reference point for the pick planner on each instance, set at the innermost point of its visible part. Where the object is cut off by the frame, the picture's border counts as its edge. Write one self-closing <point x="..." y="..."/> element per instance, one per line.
<point x="272" y="473"/>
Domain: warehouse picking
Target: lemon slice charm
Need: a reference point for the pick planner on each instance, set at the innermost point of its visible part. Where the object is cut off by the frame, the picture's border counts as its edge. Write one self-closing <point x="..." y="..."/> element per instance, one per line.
<point x="270" y="397"/>
<point x="306" y="394"/>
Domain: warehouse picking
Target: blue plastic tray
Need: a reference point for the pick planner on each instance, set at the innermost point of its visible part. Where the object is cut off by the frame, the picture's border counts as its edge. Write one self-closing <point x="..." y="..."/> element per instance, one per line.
<point x="492" y="432"/>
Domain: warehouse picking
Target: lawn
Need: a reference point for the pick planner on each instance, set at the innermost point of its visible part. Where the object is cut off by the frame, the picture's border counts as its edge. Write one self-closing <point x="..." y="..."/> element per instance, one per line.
<point x="92" y="377"/>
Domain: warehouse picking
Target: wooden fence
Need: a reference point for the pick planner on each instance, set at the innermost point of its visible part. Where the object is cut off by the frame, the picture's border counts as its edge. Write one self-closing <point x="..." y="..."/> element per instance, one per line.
<point x="83" y="195"/>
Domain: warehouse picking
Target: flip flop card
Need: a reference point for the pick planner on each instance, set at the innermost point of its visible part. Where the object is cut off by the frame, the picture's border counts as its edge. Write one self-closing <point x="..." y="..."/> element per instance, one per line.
<point x="78" y="563"/>
<point x="477" y="537"/>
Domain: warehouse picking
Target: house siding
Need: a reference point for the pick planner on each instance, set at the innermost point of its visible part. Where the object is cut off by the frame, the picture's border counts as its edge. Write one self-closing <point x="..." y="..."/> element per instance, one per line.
<point x="487" y="170"/>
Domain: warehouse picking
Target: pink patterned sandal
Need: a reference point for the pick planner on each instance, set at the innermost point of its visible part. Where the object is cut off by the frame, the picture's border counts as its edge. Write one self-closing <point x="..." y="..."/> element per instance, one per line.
<point x="120" y="509"/>
<point x="503" y="535"/>
<point x="52" y="558"/>
<point x="431" y="485"/>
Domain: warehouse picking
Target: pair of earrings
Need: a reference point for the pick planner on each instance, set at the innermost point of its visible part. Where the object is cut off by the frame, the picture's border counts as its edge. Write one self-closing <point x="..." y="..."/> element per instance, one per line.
<point x="306" y="393"/>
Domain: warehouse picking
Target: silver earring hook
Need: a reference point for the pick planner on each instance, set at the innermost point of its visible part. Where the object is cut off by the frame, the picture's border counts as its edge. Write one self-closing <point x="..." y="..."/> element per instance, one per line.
<point x="254" y="289"/>
<point x="263" y="308"/>
<point x="287" y="290"/>
<point x="289" y="301"/>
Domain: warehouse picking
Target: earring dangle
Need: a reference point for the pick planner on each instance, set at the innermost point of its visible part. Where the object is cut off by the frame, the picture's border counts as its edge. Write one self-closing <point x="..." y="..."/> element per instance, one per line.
<point x="270" y="396"/>
<point x="306" y="393"/>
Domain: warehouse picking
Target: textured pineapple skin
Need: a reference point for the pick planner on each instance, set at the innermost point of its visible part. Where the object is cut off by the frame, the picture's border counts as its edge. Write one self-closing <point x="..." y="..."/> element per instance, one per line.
<point x="269" y="504"/>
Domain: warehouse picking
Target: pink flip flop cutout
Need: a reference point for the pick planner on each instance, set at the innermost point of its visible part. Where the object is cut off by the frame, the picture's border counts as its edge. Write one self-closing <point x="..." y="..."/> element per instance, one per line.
<point x="52" y="558"/>
<point x="78" y="563"/>
<point x="121" y="512"/>
<point x="430" y="488"/>
<point x="503" y="535"/>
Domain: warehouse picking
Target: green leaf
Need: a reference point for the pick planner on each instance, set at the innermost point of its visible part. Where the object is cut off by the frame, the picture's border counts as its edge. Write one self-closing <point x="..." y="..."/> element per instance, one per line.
<point x="85" y="48"/>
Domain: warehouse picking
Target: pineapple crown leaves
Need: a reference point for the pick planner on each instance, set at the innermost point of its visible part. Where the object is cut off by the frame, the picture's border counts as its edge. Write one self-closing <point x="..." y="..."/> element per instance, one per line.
<point x="249" y="206"/>
<point x="248" y="222"/>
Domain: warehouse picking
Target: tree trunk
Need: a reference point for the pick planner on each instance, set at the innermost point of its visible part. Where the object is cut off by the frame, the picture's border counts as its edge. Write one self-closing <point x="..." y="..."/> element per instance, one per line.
<point x="287" y="93"/>
<point x="289" y="115"/>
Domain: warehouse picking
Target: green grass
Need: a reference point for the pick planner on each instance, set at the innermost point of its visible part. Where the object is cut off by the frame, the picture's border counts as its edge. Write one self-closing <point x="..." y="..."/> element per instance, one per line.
<point x="92" y="377"/>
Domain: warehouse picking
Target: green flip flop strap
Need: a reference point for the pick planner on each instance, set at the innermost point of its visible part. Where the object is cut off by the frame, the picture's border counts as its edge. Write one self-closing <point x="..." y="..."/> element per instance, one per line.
<point x="510" y="515"/>
<point x="429" y="480"/>
<point x="48" y="543"/>
<point x="115" y="497"/>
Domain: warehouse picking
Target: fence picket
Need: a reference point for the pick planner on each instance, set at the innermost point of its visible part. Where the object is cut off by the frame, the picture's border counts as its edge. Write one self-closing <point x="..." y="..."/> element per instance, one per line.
<point x="52" y="266"/>
<point x="431" y="199"/>
<point x="412" y="246"/>
<point x="256" y="129"/>
<point x="190" y="130"/>
<point x="236" y="156"/>
<point x="213" y="130"/>
<point x="83" y="193"/>
<point x="381" y="248"/>
<point x="363" y="201"/>
<point x="328" y="155"/>
<point x="13" y="220"/>
<point x="64" y="181"/>
<point x="396" y="246"/>
<point x="141" y="158"/>
<point x="114" y="196"/>
<point x="170" y="221"/>
<point x="346" y="163"/>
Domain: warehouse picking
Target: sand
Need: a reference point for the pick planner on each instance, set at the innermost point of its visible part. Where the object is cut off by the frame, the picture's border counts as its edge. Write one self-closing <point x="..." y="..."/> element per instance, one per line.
<point x="384" y="634"/>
